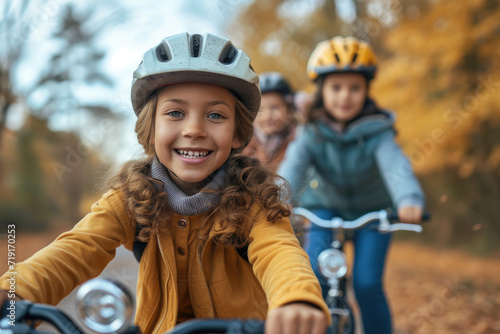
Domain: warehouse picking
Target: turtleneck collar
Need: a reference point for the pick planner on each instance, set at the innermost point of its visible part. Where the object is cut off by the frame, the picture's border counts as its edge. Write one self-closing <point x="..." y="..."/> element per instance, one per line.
<point x="199" y="203"/>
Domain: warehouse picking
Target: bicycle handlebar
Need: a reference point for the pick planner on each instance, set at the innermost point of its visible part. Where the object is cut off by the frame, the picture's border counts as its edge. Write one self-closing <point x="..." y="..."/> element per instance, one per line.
<point x="382" y="216"/>
<point x="26" y="310"/>
<point x="233" y="326"/>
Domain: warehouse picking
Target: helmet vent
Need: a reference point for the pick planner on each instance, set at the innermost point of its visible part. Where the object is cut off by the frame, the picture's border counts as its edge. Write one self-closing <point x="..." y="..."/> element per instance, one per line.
<point x="354" y="57"/>
<point x="163" y="53"/>
<point x="228" y="55"/>
<point x="195" y="45"/>
<point x="337" y="57"/>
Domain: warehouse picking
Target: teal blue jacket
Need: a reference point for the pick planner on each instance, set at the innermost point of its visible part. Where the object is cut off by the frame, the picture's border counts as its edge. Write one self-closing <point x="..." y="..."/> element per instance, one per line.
<point x="353" y="172"/>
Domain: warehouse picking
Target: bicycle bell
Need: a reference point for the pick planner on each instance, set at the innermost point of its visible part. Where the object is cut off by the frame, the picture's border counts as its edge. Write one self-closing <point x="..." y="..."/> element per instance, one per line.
<point x="332" y="263"/>
<point x="105" y="306"/>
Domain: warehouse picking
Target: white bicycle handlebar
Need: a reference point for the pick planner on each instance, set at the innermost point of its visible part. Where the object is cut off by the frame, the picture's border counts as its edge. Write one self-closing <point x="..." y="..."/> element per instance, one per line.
<point x="338" y="223"/>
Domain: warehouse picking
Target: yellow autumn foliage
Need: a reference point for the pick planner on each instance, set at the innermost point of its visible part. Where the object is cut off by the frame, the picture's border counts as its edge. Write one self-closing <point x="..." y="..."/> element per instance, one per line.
<point x="442" y="79"/>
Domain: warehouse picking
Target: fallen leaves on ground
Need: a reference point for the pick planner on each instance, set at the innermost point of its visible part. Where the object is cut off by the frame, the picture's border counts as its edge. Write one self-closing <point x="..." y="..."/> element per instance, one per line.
<point x="442" y="291"/>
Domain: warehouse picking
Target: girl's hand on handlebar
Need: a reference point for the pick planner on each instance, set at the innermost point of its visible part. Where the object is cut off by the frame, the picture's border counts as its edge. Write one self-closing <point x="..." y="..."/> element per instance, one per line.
<point x="296" y="318"/>
<point x="410" y="214"/>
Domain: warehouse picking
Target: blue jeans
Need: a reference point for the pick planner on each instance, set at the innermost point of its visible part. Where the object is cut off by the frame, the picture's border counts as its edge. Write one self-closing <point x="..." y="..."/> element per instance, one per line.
<point x="370" y="249"/>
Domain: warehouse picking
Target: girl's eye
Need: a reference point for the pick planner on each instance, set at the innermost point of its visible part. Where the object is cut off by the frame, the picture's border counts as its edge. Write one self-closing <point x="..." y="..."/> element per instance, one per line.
<point x="336" y="88"/>
<point x="356" y="88"/>
<point x="215" y="116"/>
<point x="175" y="113"/>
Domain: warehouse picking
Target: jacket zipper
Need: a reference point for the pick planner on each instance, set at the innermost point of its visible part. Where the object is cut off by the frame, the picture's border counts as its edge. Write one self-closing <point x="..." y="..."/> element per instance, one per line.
<point x="165" y="262"/>
<point x="345" y="175"/>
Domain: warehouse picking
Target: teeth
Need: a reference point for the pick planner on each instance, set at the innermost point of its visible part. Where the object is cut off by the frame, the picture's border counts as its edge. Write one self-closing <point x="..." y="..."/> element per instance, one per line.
<point x="192" y="154"/>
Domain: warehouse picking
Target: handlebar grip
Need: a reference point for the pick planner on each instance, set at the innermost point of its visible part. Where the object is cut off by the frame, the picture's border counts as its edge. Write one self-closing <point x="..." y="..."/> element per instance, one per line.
<point x="26" y="310"/>
<point x="55" y="317"/>
<point x="20" y="309"/>
<point x="393" y="217"/>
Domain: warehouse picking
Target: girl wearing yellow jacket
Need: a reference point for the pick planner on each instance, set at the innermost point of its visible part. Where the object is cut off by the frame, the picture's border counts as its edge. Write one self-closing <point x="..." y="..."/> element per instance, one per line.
<point x="195" y="201"/>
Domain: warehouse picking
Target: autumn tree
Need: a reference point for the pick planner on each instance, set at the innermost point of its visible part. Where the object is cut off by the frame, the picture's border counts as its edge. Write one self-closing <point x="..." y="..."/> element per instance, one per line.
<point x="280" y="34"/>
<point x="47" y="173"/>
<point x="444" y="66"/>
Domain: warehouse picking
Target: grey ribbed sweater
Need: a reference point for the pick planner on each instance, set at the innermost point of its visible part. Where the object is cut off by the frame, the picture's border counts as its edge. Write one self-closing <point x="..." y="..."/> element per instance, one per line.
<point x="190" y="205"/>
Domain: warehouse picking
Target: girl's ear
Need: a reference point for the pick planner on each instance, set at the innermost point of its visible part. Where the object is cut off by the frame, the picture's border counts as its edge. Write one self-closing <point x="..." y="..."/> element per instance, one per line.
<point x="236" y="143"/>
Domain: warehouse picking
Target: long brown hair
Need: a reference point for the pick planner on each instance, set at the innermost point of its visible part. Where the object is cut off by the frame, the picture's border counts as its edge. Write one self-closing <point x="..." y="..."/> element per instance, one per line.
<point x="317" y="108"/>
<point x="248" y="183"/>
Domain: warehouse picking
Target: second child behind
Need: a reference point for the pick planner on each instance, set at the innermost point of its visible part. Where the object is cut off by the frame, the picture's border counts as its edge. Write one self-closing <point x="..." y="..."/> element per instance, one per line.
<point x="349" y="143"/>
<point x="274" y="126"/>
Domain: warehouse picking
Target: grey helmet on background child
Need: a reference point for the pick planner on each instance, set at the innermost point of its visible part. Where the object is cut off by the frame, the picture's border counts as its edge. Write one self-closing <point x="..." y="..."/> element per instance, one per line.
<point x="276" y="82"/>
<point x="207" y="58"/>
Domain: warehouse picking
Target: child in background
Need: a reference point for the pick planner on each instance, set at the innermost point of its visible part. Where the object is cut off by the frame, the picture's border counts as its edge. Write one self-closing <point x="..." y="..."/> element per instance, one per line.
<point x="195" y="202"/>
<point x="274" y="126"/>
<point x="350" y="144"/>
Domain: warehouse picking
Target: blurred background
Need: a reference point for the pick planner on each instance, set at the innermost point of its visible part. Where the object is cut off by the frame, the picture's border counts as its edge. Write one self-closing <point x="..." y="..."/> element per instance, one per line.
<point x="66" y="120"/>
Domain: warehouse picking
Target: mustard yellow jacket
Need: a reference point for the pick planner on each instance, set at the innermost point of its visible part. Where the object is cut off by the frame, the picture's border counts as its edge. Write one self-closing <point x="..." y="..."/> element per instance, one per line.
<point x="222" y="285"/>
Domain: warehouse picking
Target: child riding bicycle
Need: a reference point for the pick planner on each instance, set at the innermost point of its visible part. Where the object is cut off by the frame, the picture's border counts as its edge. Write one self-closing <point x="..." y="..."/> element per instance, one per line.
<point x="195" y="201"/>
<point x="349" y="142"/>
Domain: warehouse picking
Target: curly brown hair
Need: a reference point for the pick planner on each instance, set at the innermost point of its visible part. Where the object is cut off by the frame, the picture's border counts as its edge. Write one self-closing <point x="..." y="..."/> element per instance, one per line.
<point x="249" y="183"/>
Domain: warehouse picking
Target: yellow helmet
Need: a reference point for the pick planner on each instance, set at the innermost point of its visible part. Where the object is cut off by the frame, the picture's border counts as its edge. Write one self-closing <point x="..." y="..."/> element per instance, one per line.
<point x="342" y="54"/>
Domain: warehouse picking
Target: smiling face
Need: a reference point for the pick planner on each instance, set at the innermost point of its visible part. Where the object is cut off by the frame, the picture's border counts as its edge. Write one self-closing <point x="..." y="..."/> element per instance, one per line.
<point x="273" y="115"/>
<point x="194" y="131"/>
<point x="344" y="95"/>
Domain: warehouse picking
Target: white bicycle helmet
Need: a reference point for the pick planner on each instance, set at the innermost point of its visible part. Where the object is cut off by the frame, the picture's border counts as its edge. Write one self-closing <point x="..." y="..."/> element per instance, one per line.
<point x="207" y="59"/>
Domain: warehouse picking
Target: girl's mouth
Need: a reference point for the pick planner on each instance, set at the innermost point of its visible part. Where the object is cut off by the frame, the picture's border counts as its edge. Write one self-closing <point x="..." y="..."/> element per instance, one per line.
<point x="193" y="154"/>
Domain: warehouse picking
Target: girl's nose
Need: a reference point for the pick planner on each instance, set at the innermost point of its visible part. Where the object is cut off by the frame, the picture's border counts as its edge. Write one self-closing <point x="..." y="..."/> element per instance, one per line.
<point x="344" y="94"/>
<point x="194" y="129"/>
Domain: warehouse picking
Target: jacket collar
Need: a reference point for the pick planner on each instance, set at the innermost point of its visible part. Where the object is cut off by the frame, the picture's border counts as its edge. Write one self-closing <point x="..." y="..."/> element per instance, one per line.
<point x="364" y="127"/>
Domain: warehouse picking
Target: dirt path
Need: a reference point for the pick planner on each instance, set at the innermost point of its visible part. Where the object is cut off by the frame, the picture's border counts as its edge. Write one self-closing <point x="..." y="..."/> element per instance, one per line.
<point x="429" y="290"/>
<point x="442" y="291"/>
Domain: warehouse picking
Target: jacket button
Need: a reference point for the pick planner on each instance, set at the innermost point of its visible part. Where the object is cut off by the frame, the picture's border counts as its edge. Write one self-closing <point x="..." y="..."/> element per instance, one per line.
<point x="314" y="184"/>
<point x="181" y="250"/>
<point x="182" y="223"/>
